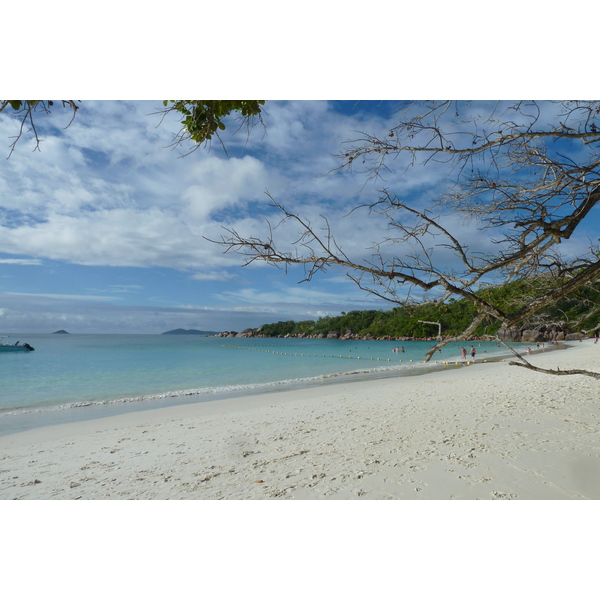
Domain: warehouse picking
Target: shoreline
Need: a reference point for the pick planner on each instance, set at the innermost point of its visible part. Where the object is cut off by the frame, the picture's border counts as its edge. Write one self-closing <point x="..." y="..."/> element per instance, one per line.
<point x="17" y="420"/>
<point x="462" y="433"/>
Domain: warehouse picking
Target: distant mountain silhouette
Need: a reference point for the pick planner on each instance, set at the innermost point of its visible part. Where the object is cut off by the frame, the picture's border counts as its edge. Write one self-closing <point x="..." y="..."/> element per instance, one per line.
<point x="60" y="331"/>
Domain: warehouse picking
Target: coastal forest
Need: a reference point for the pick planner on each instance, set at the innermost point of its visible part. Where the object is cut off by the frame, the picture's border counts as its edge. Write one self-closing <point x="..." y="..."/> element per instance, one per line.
<point x="578" y="312"/>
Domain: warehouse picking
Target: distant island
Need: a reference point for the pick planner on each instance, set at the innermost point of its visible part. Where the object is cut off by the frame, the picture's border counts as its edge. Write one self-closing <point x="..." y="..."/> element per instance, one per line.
<point x="61" y="331"/>
<point x="188" y="332"/>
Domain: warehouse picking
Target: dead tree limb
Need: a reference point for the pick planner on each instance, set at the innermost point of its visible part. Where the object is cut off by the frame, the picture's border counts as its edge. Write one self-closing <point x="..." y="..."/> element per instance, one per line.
<point x="528" y="183"/>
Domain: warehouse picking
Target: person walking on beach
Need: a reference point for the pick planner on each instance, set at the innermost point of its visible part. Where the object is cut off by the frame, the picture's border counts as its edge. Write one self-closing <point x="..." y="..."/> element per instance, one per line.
<point x="596" y="337"/>
<point x="464" y="353"/>
<point x="473" y="352"/>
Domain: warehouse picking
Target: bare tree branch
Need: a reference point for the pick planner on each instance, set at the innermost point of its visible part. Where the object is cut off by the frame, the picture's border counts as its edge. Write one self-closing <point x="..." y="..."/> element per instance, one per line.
<point x="527" y="365"/>
<point x="25" y="111"/>
<point x="528" y="183"/>
<point x="556" y="371"/>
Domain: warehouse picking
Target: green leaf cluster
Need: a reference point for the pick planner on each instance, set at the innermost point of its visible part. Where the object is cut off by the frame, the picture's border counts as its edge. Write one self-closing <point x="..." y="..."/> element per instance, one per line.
<point x="203" y="118"/>
<point x="19" y="104"/>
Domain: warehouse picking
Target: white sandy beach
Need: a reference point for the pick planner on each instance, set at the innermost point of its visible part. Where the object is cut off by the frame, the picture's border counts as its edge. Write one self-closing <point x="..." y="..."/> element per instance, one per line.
<point x="485" y="431"/>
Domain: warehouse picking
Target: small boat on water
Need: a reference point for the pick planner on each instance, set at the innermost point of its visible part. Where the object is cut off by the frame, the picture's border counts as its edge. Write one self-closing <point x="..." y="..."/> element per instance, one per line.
<point x="17" y="347"/>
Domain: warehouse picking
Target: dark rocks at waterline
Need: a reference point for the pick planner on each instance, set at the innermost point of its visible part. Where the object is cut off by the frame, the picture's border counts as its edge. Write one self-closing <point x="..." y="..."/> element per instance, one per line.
<point x="246" y="333"/>
<point x="335" y="335"/>
<point x="574" y="337"/>
<point x="234" y="334"/>
<point x="541" y="333"/>
<point x="554" y="332"/>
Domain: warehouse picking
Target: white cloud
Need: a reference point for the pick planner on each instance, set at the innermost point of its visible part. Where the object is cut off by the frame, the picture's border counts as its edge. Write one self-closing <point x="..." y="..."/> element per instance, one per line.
<point x="126" y="288"/>
<point x="43" y="297"/>
<point x="298" y="297"/>
<point x="107" y="192"/>
<point x="214" y="276"/>
<point x="289" y="125"/>
<point x="20" y="261"/>
<point x="119" y="237"/>
<point x="222" y="183"/>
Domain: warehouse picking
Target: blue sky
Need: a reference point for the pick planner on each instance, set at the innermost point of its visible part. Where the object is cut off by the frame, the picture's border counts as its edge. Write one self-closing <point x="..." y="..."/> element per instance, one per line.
<point x="104" y="229"/>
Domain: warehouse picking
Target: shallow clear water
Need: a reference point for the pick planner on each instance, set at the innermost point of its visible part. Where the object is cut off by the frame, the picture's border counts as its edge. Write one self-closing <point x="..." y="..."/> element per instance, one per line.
<point x="69" y="371"/>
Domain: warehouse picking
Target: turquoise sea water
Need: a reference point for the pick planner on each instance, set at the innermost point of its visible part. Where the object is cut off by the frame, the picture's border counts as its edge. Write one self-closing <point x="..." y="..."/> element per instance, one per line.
<point x="75" y="377"/>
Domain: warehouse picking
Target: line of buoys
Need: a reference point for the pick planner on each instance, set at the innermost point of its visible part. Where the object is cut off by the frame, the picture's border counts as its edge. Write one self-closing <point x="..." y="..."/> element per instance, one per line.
<point x="341" y="355"/>
<point x="295" y="354"/>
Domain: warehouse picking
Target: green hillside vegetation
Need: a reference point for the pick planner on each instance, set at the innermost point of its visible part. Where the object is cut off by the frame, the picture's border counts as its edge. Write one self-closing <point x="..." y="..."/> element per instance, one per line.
<point x="577" y="312"/>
